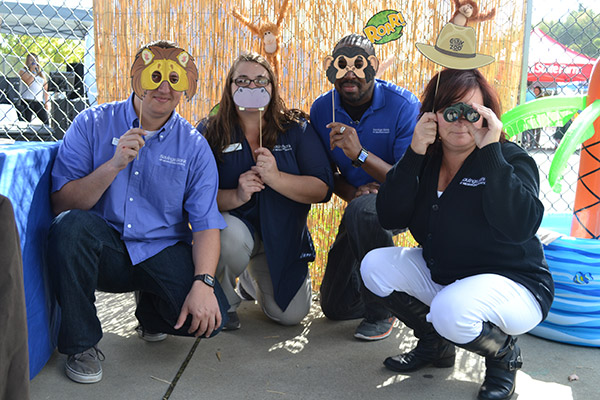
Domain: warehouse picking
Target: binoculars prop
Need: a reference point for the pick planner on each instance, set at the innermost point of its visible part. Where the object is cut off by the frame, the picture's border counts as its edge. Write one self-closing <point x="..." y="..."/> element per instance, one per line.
<point x="455" y="111"/>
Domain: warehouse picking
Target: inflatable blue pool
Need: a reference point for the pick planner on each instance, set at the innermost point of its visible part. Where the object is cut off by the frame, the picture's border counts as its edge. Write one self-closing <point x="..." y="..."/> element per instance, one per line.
<point x="574" y="317"/>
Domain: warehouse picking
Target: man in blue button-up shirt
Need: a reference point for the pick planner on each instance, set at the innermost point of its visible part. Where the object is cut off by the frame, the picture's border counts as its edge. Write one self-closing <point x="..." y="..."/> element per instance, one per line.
<point x="129" y="181"/>
<point x="367" y="126"/>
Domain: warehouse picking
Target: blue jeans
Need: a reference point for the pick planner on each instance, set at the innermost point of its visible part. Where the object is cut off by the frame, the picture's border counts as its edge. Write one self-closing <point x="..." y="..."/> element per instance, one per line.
<point x="85" y="254"/>
<point x="343" y="295"/>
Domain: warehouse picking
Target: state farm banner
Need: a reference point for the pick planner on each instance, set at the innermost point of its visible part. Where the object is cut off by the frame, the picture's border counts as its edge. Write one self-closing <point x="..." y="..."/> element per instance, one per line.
<point x="551" y="61"/>
<point x="557" y="72"/>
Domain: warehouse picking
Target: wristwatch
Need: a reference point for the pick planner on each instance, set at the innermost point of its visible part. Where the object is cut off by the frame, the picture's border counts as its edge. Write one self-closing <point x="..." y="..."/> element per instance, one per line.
<point x="206" y="278"/>
<point x="362" y="157"/>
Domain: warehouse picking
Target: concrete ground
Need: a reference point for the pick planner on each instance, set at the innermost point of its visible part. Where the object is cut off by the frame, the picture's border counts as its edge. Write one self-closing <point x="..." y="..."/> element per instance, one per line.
<point x="319" y="359"/>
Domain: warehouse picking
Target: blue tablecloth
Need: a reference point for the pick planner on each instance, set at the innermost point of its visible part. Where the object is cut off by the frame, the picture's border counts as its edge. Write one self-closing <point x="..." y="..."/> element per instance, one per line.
<point x="25" y="179"/>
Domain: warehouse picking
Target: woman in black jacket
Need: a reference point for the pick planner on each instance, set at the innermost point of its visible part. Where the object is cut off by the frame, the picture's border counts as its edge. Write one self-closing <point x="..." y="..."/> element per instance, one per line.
<point x="470" y="199"/>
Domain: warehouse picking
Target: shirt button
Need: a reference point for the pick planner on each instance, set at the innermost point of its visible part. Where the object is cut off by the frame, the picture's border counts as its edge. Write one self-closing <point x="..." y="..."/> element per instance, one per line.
<point x="431" y="262"/>
<point x="129" y="225"/>
<point x="131" y="199"/>
<point x="435" y="207"/>
<point x="429" y="236"/>
<point x="136" y="173"/>
<point x="161" y="136"/>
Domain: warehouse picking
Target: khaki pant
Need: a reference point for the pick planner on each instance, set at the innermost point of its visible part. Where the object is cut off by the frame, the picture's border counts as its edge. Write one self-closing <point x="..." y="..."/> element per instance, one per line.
<point x="244" y="256"/>
<point x="14" y="355"/>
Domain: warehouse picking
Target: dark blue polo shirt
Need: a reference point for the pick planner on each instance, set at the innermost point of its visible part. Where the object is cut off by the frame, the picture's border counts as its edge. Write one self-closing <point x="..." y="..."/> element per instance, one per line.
<point x="385" y="129"/>
<point x="280" y="221"/>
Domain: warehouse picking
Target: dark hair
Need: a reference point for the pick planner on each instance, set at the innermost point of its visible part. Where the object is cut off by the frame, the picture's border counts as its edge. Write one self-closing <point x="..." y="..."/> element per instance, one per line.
<point x="164" y="44"/>
<point x="356" y="40"/>
<point x="453" y="85"/>
<point x="220" y="127"/>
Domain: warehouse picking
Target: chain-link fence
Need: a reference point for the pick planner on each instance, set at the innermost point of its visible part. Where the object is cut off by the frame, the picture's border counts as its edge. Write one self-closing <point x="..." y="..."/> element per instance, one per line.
<point x="46" y="66"/>
<point x="564" y="44"/>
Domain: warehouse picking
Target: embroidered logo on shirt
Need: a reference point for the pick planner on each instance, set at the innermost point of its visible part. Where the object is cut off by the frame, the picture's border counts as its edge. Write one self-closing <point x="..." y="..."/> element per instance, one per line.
<point x="381" y="130"/>
<point x="232" y="147"/>
<point x="282" y="147"/>
<point x="473" y="182"/>
<point x="172" y="160"/>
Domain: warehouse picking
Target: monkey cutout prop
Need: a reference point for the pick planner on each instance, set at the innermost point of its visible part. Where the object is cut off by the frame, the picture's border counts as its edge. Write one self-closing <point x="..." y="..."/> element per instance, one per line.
<point x="350" y="59"/>
<point x="346" y="59"/>
<point x="270" y="35"/>
<point x="467" y="11"/>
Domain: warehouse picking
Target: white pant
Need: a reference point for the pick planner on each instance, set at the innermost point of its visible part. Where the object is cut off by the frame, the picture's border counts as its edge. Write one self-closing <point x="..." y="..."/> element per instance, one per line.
<point x="458" y="310"/>
<point x="244" y="256"/>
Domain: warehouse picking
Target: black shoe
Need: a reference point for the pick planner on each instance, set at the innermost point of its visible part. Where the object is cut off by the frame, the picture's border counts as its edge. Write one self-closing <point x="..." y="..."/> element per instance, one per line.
<point x="424" y="355"/>
<point x="233" y="323"/>
<point x="500" y="375"/>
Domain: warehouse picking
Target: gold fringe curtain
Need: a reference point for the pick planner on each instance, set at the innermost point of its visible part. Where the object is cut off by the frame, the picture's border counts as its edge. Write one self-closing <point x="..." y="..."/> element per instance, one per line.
<point x="309" y="33"/>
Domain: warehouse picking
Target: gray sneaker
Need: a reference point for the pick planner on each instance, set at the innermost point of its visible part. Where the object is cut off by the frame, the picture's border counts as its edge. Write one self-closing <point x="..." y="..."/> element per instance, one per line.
<point x="376" y="330"/>
<point x="233" y="323"/>
<point x="150" y="336"/>
<point x="85" y="367"/>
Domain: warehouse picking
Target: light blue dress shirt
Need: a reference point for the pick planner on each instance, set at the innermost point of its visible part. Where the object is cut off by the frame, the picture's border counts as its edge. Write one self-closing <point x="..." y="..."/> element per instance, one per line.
<point x="153" y="201"/>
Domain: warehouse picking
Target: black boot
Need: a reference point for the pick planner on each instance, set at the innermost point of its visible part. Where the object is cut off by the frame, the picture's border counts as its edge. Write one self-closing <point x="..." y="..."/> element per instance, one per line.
<point x="502" y="360"/>
<point x="431" y="349"/>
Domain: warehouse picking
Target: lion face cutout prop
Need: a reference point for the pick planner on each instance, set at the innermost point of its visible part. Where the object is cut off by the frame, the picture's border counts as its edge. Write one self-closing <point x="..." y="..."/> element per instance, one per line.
<point x="154" y="65"/>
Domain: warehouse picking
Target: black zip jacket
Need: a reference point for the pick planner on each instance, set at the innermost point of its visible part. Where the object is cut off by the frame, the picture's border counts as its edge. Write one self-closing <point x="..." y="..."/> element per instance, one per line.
<point x="485" y="221"/>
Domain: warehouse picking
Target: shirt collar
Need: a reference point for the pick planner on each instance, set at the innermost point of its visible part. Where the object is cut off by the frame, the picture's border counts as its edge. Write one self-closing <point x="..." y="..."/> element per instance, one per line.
<point x="133" y="120"/>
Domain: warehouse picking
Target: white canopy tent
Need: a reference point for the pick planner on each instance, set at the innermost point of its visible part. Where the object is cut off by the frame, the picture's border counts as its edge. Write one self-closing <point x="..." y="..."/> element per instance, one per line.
<point x="39" y="19"/>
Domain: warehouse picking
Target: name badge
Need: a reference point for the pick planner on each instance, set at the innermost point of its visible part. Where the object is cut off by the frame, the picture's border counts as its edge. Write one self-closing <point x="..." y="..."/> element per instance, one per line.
<point x="232" y="147"/>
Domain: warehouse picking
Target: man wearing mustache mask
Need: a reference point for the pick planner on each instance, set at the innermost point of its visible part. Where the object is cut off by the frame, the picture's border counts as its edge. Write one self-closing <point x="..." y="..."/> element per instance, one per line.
<point x="366" y="124"/>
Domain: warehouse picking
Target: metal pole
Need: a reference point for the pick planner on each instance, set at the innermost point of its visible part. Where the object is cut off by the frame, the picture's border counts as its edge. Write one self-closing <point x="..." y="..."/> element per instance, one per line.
<point x="525" y="60"/>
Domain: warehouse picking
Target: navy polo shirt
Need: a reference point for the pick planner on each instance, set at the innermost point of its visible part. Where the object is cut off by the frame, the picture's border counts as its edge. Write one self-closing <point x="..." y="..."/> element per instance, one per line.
<point x="385" y="129"/>
<point x="280" y="221"/>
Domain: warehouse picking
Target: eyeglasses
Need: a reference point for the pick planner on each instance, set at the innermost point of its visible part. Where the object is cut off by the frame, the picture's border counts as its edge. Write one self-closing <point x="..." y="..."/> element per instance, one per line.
<point x="455" y="111"/>
<point x="260" y="81"/>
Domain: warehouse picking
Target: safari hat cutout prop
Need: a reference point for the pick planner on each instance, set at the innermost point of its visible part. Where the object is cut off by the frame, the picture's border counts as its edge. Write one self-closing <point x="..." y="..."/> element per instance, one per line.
<point x="455" y="48"/>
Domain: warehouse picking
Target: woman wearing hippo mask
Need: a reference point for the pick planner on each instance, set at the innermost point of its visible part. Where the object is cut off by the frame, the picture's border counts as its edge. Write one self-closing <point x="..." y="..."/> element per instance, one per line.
<point x="272" y="166"/>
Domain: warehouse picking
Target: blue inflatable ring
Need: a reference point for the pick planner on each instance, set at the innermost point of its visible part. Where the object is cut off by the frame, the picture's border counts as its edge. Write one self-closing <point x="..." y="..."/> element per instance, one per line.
<point x="574" y="316"/>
